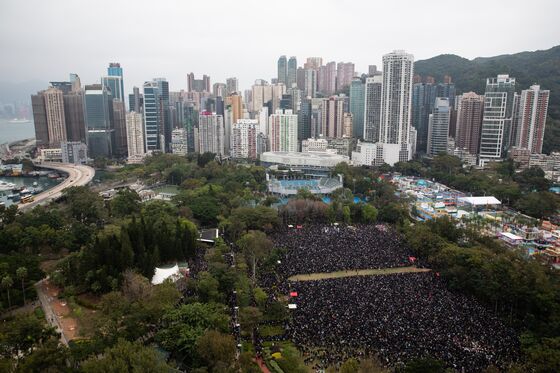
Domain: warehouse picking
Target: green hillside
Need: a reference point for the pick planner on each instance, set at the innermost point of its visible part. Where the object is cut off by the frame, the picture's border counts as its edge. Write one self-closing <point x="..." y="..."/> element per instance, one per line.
<point x="540" y="67"/>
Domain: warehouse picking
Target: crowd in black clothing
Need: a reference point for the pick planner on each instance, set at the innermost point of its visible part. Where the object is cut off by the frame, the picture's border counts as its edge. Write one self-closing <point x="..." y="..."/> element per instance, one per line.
<point x="399" y="317"/>
<point x="319" y="248"/>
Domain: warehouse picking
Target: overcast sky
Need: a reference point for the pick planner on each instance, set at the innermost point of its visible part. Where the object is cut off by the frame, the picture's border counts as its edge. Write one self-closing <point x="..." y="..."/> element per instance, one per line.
<point x="47" y="39"/>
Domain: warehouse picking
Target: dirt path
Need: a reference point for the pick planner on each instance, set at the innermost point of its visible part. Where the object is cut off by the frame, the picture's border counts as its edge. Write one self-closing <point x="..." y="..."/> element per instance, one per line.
<point x="359" y="272"/>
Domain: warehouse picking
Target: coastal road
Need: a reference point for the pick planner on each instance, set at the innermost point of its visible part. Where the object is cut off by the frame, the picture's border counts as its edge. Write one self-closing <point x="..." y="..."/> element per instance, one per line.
<point x="78" y="175"/>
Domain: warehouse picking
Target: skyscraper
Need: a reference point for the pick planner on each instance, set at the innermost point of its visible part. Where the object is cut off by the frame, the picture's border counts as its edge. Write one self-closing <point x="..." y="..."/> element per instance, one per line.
<point x="198" y="85"/>
<point x="74" y="116"/>
<point x="313" y="63"/>
<point x="533" y="107"/>
<point x="357" y="88"/>
<point x="244" y="139"/>
<point x="153" y="120"/>
<point x="232" y="86"/>
<point x="134" y="136"/>
<point x="179" y="144"/>
<point x="40" y="120"/>
<point x="98" y="109"/>
<point x="163" y="86"/>
<point x="292" y="72"/>
<point x="310" y="83"/>
<point x="497" y="117"/>
<point x="344" y="75"/>
<point x="119" y="124"/>
<point x="211" y="133"/>
<point x="114" y="84"/>
<point x="469" y="122"/>
<point x="282" y="70"/>
<point x="115" y="69"/>
<point x="135" y="101"/>
<point x="56" y="122"/>
<point x="236" y="104"/>
<point x="304" y="119"/>
<point x="423" y="99"/>
<point x="326" y="79"/>
<point x="332" y="117"/>
<point x="372" y="109"/>
<point x="398" y="70"/>
<point x="438" y="127"/>
<point x="219" y="89"/>
<point x="283" y="131"/>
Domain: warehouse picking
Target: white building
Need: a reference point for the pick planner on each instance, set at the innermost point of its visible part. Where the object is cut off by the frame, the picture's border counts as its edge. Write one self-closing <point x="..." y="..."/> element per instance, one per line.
<point x="179" y="144"/>
<point x="211" y="133"/>
<point x="135" y="137"/>
<point x="315" y="160"/>
<point x="244" y="139"/>
<point x="282" y="131"/>
<point x="73" y="152"/>
<point x="438" y="127"/>
<point x="375" y="154"/>
<point x="372" y="108"/>
<point x="314" y="145"/>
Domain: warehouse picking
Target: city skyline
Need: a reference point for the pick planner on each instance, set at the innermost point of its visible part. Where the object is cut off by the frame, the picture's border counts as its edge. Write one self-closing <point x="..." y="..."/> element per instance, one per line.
<point x="200" y="50"/>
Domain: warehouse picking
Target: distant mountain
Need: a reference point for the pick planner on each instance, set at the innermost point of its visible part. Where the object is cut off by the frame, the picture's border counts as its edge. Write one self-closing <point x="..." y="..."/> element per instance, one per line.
<point x="539" y="67"/>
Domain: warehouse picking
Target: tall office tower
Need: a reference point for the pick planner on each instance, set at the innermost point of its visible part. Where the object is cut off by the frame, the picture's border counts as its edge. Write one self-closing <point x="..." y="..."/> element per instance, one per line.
<point x="292" y="72"/>
<point x="278" y="90"/>
<point x="497" y="118"/>
<point x="263" y="121"/>
<point x="344" y="75"/>
<point x="198" y="85"/>
<point x="423" y="98"/>
<point x="282" y="131"/>
<point x="261" y="93"/>
<point x="135" y="136"/>
<point x="135" y="100"/>
<point x="191" y="122"/>
<point x="219" y="89"/>
<point x="326" y="79"/>
<point x="113" y="84"/>
<point x="211" y="133"/>
<point x="310" y="85"/>
<point x="40" y="120"/>
<point x="533" y="107"/>
<point x="115" y="69"/>
<point x="396" y="97"/>
<point x="98" y="109"/>
<point x="56" y="121"/>
<point x="179" y="143"/>
<point x="232" y="86"/>
<point x="282" y="70"/>
<point x="304" y="119"/>
<point x="372" y="109"/>
<point x="286" y="102"/>
<point x="469" y="122"/>
<point x="357" y="91"/>
<point x="313" y="63"/>
<point x="228" y="124"/>
<point x="236" y="103"/>
<point x="300" y="78"/>
<point x="332" y="117"/>
<point x="153" y="117"/>
<point x="163" y="86"/>
<point x="438" y="127"/>
<point x="65" y="87"/>
<point x="347" y="125"/>
<point x="447" y="90"/>
<point x="119" y="124"/>
<point x="244" y="139"/>
<point x="76" y="83"/>
<point x="296" y="96"/>
<point x="74" y="116"/>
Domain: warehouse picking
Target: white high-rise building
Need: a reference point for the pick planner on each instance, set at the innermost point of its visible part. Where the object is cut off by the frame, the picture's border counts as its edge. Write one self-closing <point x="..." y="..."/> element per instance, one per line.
<point x="179" y="144"/>
<point x="531" y="119"/>
<point x="438" y="127"/>
<point x="244" y="139"/>
<point x="211" y="133"/>
<point x="282" y="131"/>
<point x="135" y="136"/>
<point x="372" y="108"/>
<point x="263" y="121"/>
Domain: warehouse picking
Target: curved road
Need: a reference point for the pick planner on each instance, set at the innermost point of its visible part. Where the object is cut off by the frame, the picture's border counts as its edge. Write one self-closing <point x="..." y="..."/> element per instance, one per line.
<point x="78" y="175"/>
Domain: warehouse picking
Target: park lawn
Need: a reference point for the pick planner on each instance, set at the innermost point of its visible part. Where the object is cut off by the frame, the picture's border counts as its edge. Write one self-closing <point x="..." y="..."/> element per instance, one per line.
<point x="358" y="272"/>
<point x="271" y="330"/>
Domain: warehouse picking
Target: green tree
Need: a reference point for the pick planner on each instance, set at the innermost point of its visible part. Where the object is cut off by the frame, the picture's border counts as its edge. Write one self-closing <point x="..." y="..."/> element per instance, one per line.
<point x="127" y="357"/>
<point x="249" y="318"/>
<point x="125" y="203"/>
<point x="425" y="365"/>
<point x="7" y="283"/>
<point x="216" y="349"/>
<point x="256" y="246"/>
<point x="21" y="274"/>
<point x="369" y="213"/>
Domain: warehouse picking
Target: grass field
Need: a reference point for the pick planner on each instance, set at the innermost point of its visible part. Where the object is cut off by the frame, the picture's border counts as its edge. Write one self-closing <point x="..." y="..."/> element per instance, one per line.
<point x="359" y="272"/>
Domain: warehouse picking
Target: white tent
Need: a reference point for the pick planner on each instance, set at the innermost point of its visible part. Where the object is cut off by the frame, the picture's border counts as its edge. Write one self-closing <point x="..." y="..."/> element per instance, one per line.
<point x="481" y="201"/>
<point x="163" y="274"/>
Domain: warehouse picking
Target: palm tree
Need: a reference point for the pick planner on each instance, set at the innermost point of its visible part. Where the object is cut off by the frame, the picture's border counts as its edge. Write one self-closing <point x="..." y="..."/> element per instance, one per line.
<point x="21" y="273"/>
<point x="7" y="283"/>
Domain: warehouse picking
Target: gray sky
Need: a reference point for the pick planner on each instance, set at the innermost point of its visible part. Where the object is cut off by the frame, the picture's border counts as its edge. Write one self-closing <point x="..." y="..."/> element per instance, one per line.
<point x="47" y="39"/>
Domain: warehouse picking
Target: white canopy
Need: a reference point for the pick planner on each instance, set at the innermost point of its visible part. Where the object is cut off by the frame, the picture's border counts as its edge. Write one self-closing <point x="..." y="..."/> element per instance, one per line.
<point x="511" y="236"/>
<point x="481" y="201"/>
<point x="163" y="274"/>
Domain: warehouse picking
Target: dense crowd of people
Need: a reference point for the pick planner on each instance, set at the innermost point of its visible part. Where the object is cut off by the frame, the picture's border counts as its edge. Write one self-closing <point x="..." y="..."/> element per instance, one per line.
<point x="398" y="317"/>
<point x="319" y="248"/>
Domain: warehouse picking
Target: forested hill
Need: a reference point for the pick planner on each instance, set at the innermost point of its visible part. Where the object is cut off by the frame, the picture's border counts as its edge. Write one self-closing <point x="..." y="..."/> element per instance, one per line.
<point x="540" y="67"/>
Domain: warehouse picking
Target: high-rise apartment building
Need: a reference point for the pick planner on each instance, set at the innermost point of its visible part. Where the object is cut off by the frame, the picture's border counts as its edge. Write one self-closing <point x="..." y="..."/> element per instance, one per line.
<point x="135" y="100"/>
<point x="326" y="79"/>
<point x="282" y="70"/>
<point x="423" y="99"/>
<point x="292" y="72"/>
<point x="163" y="88"/>
<point x="469" y="122"/>
<point x="98" y="109"/>
<point x="310" y="83"/>
<point x="40" y="120"/>
<point x="236" y="103"/>
<point x="344" y="75"/>
<point x="211" y="133"/>
<point x="54" y="108"/>
<point x="357" y="100"/>
<point x="179" y="143"/>
<point x="232" y="86"/>
<point x="497" y="118"/>
<point x="198" y="85"/>
<point x="283" y="131"/>
<point x="533" y="107"/>
<point x="438" y="127"/>
<point x="313" y="63"/>
<point x="219" y="90"/>
<point x="74" y="116"/>
<point x="244" y="139"/>
<point x="372" y="109"/>
<point x="332" y="117"/>
<point x="135" y="136"/>
<point x="304" y="119"/>
<point x="300" y="78"/>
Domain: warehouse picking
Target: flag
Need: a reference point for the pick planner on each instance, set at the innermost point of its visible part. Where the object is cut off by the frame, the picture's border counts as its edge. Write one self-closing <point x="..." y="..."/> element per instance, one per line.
<point x="293" y="294"/>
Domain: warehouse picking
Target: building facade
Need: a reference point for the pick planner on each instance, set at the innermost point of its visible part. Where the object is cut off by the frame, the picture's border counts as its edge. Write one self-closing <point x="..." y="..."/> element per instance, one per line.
<point x="283" y="131"/>
<point x="372" y="109"/>
<point x="438" y="127"/>
<point x="469" y="122"/>
<point x="244" y="139"/>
